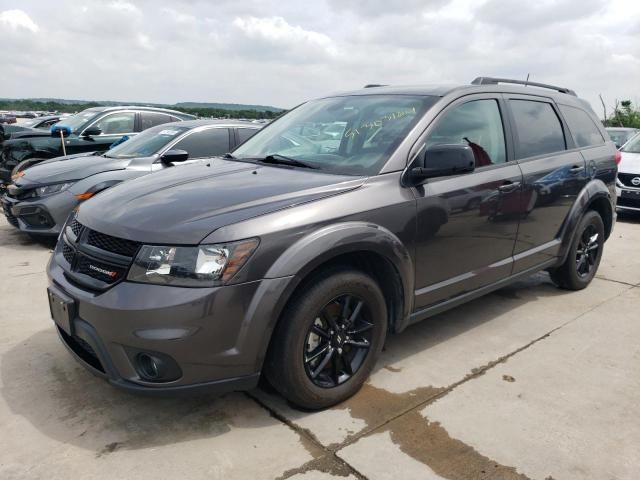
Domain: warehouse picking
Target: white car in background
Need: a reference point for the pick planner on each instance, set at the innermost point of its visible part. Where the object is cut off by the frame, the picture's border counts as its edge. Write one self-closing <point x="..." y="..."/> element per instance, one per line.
<point x="628" y="182"/>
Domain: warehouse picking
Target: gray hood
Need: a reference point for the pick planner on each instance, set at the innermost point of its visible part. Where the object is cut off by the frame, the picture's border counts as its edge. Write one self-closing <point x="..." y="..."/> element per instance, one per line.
<point x="183" y="205"/>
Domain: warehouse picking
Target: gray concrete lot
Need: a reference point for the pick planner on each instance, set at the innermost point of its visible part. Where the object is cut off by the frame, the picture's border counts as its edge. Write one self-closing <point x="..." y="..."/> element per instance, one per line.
<point x="528" y="382"/>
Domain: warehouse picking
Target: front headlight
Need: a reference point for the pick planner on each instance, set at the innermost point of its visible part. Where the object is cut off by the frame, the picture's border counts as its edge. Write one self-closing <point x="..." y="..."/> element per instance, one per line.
<point x="202" y="266"/>
<point x="51" y="189"/>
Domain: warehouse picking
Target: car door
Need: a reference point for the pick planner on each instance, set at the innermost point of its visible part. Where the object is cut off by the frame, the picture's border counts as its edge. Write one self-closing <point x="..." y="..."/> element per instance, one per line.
<point x="113" y="126"/>
<point x="467" y="224"/>
<point x="554" y="174"/>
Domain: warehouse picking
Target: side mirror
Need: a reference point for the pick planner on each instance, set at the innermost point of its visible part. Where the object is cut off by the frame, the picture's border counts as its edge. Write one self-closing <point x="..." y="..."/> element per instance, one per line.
<point x="173" y="156"/>
<point x="91" y="132"/>
<point x="58" y="130"/>
<point x="444" y="160"/>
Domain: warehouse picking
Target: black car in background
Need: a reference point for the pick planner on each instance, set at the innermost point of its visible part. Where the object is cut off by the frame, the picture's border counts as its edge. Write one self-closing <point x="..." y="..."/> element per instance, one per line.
<point x="93" y="129"/>
<point x="44" y="195"/>
<point x="32" y="127"/>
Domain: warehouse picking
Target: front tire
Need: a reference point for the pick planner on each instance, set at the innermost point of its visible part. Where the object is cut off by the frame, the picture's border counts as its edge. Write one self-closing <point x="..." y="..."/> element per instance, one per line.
<point x="584" y="255"/>
<point x="328" y="339"/>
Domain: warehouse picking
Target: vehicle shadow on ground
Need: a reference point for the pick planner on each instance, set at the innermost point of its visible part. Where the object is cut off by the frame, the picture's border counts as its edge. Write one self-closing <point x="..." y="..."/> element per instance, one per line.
<point x="42" y="383"/>
<point x="628" y="217"/>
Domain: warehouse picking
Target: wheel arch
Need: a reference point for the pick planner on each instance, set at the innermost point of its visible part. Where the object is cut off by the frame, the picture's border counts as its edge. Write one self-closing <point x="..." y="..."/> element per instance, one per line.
<point x="594" y="196"/>
<point x="369" y="248"/>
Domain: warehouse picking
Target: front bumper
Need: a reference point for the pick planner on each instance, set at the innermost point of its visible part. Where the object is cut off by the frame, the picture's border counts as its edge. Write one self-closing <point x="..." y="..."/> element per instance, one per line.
<point x="40" y="216"/>
<point x="628" y="198"/>
<point x="217" y="337"/>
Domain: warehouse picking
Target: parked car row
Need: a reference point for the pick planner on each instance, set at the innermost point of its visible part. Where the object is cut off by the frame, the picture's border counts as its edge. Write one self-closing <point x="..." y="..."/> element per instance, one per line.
<point x="94" y="129"/>
<point x="42" y="196"/>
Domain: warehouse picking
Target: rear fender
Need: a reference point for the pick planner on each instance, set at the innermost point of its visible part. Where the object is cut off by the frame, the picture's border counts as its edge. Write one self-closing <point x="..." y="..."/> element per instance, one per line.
<point x="594" y="190"/>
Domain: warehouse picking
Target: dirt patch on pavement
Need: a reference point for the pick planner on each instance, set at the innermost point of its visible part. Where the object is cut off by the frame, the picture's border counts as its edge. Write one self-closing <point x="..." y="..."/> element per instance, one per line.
<point x="429" y="443"/>
<point x="426" y="442"/>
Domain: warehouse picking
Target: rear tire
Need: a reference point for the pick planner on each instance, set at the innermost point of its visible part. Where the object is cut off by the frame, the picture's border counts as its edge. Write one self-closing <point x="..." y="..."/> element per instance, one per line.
<point x="328" y="339"/>
<point x="584" y="254"/>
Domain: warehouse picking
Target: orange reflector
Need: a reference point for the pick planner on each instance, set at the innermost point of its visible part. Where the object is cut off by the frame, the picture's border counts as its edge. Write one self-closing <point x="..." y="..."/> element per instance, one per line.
<point x="84" y="196"/>
<point x="17" y="175"/>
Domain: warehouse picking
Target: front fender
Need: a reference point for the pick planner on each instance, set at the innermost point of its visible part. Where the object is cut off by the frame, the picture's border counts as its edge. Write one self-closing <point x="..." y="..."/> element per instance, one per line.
<point x="326" y="243"/>
<point x="111" y="176"/>
<point x="594" y="190"/>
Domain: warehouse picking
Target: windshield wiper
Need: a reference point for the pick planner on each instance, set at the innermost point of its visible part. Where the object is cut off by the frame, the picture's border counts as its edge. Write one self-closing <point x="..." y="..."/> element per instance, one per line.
<point x="282" y="160"/>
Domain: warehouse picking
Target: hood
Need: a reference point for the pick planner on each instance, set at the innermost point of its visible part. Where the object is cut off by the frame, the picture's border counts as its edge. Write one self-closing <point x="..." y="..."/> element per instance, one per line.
<point x="69" y="157"/>
<point x="183" y="205"/>
<point x="630" y="163"/>
<point x="81" y="166"/>
<point x="27" y="132"/>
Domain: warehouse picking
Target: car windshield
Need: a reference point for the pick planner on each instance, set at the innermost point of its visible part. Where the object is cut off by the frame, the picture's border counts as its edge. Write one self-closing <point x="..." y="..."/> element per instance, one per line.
<point x="78" y="120"/>
<point x="353" y="135"/>
<point x="620" y="137"/>
<point x="633" y="145"/>
<point x="31" y="122"/>
<point x="146" y="143"/>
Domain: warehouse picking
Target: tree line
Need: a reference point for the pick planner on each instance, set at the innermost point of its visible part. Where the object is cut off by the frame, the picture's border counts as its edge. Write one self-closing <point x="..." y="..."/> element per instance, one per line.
<point x="26" y="105"/>
<point x="625" y="114"/>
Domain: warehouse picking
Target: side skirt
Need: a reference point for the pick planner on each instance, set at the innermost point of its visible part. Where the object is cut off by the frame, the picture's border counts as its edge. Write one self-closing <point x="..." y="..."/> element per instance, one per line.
<point x="468" y="296"/>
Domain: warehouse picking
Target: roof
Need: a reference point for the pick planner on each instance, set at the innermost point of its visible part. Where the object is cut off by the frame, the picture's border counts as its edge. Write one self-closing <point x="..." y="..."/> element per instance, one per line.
<point x="480" y="85"/>
<point x="221" y="123"/>
<point x="136" y="107"/>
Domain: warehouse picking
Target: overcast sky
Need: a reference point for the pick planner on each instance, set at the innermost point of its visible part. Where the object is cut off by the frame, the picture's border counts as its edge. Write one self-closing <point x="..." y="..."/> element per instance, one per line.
<point x="283" y="52"/>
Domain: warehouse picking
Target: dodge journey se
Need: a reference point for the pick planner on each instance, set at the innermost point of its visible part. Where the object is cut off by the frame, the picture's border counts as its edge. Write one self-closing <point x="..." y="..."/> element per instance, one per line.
<point x="342" y="222"/>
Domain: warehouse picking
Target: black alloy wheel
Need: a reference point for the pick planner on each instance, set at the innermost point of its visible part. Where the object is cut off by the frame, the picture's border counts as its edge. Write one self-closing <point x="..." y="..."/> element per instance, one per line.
<point x="338" y="341"/>
<point x="588" y="251"/>
<point x="328" y="338"/>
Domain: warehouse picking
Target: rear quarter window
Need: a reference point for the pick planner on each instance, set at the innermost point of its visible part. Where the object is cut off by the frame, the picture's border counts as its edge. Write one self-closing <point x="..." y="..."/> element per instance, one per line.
<point x="584" y="130"/>
<point x="539" y="130"/>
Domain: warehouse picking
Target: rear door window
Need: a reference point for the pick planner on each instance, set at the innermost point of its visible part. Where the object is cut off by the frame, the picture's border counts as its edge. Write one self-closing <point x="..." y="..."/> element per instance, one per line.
<point x="245" y="134"/>
<point x="538" y="128"/>
<point x="584" y="130"/>
<point x="206" y="143"/>
<point x="151" y="119"/>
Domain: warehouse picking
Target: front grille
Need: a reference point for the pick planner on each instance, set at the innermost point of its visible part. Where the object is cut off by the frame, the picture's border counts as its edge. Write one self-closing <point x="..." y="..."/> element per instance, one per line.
<point x="82" y="349"/>
<point x="629" y="202"/>
<point x="99" y="270"/>
<point x="97" y="262"/>
<point x="626" y="178"/>
<point x="67" y="253"/>
<point x="76" y="227"/>
<point x="112" y="244"/>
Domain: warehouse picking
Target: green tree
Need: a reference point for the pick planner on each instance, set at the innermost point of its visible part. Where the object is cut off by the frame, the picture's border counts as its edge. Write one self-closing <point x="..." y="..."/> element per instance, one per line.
<point x="624" y="115"/>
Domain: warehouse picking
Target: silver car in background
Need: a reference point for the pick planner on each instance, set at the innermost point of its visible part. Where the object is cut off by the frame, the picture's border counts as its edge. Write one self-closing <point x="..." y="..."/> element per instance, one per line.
<point x="42" y="197"/>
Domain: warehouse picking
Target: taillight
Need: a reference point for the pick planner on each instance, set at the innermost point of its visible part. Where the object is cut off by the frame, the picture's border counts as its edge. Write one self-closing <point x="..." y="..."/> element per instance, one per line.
<point x="618" y="157"/>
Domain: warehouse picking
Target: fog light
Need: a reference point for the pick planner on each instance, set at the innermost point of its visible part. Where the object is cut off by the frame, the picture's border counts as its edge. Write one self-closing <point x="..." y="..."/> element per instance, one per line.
<point x="150" y="367"/>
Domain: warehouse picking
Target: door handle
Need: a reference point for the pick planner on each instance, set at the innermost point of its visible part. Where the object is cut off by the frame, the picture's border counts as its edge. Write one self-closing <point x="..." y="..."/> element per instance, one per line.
<point x="576" y="169"/>
<point x="509" y="187"/>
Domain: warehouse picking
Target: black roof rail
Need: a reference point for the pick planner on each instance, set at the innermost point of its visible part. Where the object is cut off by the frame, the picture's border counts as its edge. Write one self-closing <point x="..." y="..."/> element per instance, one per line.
<point x="495" y="81"/>
<point x="372" y="85"/>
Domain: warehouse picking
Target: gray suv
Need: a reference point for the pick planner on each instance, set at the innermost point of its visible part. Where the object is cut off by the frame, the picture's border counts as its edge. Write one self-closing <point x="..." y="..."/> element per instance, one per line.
<point x="296" y="255"/>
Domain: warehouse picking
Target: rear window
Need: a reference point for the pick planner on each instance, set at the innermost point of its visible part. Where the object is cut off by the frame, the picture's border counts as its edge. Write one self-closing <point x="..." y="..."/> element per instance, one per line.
<point x="584" y="130"/>
<point x="538" y="127"/>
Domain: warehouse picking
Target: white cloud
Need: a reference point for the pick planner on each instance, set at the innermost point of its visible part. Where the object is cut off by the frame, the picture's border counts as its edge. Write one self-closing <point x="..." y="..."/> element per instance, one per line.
<point x="18" y="19"/>
<point x="282" y="52"/>
<point x="277" y="31"/>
